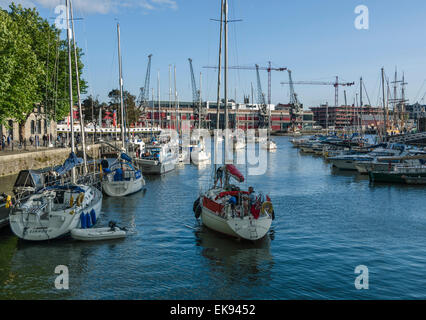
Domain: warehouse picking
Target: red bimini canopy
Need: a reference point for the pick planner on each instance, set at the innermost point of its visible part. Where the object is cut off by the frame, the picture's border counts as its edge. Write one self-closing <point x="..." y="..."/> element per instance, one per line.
<point x="233" y="171"/>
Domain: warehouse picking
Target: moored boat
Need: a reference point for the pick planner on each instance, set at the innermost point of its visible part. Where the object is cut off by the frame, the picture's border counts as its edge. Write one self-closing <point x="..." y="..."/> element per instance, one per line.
<point x="54" y="211"/>
<point x="122" y="178"/>
<point x="234" y="212"/>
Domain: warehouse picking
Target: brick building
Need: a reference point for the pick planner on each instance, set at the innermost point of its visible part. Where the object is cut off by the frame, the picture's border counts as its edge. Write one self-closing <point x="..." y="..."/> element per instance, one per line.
<point x="345" y="116"/>
<point x="36" y="124"/>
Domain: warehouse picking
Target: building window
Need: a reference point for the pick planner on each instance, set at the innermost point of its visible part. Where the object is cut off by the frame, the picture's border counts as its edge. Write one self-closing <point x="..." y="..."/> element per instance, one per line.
<point x="32" y="127"/>
<point x="45" y="126"/>
<point x="39" y="126"/>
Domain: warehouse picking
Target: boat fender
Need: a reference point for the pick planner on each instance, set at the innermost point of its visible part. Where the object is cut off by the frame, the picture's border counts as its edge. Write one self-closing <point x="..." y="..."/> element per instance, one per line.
<point x="80" y="198"/>
<point x="8" y="202"/>
<point x="88" y="221"/>
<point x="93" y="216"/>
<point x="71" y="201"/>
<point x="83" y="220"/>
<point x="268" y="208"/>
<point x="197" y="208"/>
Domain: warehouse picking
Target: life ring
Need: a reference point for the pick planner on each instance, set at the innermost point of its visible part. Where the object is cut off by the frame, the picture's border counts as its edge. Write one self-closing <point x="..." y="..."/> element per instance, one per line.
<point x="267" y="207"/>
<point x="80" y="198"/>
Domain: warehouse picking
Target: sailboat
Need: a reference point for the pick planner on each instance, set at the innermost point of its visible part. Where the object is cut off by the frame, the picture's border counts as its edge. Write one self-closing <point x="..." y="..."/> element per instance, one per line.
<point x="199" y="153"/>
<point x="55" y="210"/>
<point x="122" y="178"/>
<point x="225" y="208"/>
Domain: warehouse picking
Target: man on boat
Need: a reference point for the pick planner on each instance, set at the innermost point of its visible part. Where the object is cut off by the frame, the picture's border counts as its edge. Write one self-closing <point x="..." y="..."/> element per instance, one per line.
<point x="252" y="203"/>
<point x="219" y="176"/>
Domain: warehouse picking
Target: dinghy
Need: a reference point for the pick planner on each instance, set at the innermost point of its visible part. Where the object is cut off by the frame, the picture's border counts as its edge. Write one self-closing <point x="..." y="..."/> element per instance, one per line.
<point x="97" y="234"/>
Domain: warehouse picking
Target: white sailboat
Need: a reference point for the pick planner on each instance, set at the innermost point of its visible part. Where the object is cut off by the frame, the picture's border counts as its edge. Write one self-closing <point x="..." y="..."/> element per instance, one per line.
<point x="122" y="178"/>
<point x="226" y="208"/>
<point x="199" y="153"/>
<point x="233" y="212"/>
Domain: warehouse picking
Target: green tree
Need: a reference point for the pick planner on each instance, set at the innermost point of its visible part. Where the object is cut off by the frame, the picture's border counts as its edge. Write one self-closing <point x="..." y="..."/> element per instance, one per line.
<point x="132" y="112"/>
<point x="30" y="42"/>
<point x="19" y="69"/>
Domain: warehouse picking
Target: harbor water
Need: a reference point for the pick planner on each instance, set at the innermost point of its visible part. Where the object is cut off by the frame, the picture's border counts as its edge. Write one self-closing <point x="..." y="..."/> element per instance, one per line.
<point x="327" y="223"/>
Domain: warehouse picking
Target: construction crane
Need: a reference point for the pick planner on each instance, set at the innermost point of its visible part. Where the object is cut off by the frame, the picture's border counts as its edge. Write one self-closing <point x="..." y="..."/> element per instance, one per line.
<point x="295" y="105"/>
<point x="196" y="98"/>
<point x="335" y="84"/>
<point x="263" y="110"/>
<point x="144" y="91"/>
<point x="195" y="91"/>
<point x="269" y="69"/>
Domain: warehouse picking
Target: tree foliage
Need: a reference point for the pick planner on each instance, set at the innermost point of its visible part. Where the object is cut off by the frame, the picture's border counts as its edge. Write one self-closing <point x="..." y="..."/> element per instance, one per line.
<point x="34" y="66"/>
<point x="132" y="111"/>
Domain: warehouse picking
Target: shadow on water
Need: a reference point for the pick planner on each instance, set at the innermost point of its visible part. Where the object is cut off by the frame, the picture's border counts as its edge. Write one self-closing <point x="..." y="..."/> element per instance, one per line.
<point x="245" y="266"/>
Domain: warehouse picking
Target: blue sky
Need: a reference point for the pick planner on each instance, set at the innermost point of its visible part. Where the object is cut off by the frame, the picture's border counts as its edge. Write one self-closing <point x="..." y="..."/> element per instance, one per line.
<point x="316" y="39"/>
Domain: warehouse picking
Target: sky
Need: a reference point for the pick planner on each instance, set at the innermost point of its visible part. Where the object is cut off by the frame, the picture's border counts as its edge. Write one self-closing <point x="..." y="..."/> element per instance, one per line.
<point x="316" y="39"/>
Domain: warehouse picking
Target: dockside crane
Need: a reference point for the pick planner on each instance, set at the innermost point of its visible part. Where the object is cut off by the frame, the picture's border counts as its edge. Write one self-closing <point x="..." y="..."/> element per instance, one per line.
<point x="269" y="69"/>
<point x="196" y="98"/>
<point x="263" y="110"/>
<point x="144" y="91"/>
<point x="335" y="84"/>
<point x="295" y="106"/>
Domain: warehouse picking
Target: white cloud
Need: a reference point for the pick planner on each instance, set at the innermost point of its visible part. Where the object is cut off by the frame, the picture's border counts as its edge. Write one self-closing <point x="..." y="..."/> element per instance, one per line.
<point x="98" y="6"/>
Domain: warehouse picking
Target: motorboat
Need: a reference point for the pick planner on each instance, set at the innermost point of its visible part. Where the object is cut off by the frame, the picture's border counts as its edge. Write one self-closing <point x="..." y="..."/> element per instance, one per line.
<point x="158" y="158"/>
<point x="348" y="162"/>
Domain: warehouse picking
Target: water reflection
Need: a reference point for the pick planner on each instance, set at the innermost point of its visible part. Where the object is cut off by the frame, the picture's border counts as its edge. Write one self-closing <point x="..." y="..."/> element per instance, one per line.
<point x="241" y="262"/>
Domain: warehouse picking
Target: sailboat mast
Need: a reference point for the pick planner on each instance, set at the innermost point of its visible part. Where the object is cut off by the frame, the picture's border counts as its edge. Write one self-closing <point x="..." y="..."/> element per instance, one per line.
<point x="384" y="104"/>
<point x="220" y="67"/>
<point x="200" y="102"/>
<point x="226" y="64"/>
<point x="121" y="87"/>
<point x="82" y="131"/>
<point x="158" y="98"/>
<point x="73" y="176"/>
<point x="176" y="104"/>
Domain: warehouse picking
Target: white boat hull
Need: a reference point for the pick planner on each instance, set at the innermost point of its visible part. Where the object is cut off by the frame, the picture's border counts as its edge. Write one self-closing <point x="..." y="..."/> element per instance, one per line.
<point x="29" y="226"/>
<point x="198" y="157"/>
<point x="156" y="167"/>
<point x="270" y="146"/>
<point x="343" y="164"/>
<point x="98" y="234"/>
<point x="247" y="228"/>
<point x="122" y="188"/>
